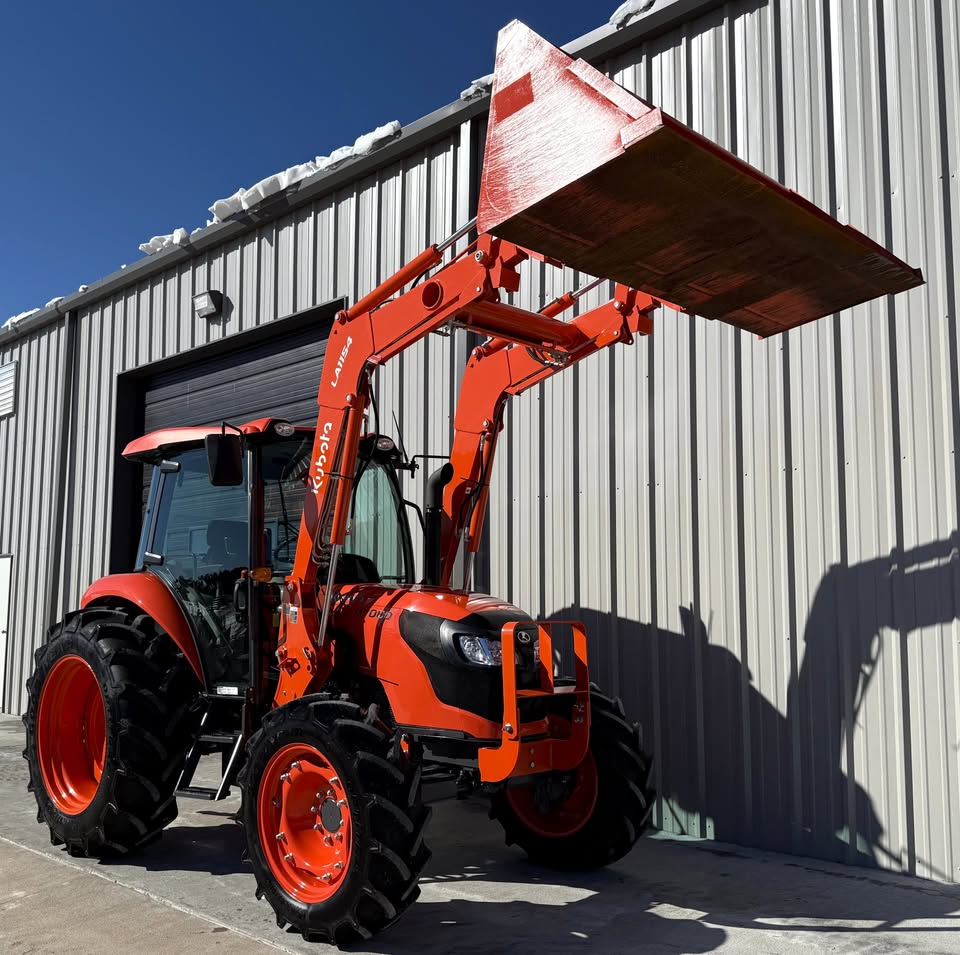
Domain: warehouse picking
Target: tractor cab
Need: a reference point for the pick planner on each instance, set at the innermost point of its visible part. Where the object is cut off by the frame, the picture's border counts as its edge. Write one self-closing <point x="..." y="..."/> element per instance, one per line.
<point x="220" y="534"/>
<point x="223" y="543"/>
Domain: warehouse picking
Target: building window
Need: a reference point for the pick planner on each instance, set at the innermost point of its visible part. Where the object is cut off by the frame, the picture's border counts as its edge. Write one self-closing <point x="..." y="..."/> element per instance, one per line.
<point x="8" y="389"/>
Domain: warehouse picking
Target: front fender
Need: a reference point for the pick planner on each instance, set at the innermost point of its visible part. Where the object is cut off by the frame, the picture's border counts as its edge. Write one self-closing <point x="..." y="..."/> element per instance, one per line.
<point x="152" y="596"/>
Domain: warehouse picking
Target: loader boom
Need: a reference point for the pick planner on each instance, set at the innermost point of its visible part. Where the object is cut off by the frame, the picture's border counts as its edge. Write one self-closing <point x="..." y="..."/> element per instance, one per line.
<point x="525" y="348"/>
<point x="499" y="370"/>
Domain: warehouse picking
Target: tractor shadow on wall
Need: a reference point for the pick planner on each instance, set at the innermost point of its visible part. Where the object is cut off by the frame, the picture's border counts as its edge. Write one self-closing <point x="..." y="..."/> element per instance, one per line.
<point x="731" y="766"/>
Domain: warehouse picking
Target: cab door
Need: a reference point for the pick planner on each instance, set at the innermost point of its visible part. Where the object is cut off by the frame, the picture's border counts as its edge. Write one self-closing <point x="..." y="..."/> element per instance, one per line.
<point x="199" y="545"/>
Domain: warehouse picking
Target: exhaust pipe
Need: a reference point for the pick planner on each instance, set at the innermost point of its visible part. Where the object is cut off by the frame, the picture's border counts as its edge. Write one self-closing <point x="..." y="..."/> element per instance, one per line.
<point x="433" y="522"/>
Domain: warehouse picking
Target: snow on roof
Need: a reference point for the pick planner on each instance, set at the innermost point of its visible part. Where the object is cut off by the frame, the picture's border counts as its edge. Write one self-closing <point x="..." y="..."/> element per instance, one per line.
<point x="627" y="11"/>
<point x="14" y="319"/>
<point x="160" y="242"/>
<point x="244" y="199"/>
<point x="478" y="87"/>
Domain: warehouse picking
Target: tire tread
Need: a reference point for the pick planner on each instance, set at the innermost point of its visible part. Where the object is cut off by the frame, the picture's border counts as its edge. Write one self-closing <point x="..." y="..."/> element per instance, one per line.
<point x="396" y="816"/>
<point x="139" y="665"/>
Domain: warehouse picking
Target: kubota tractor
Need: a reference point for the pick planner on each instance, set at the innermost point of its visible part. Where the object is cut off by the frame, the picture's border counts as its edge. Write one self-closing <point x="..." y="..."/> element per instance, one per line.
<point x="275" y="616"/>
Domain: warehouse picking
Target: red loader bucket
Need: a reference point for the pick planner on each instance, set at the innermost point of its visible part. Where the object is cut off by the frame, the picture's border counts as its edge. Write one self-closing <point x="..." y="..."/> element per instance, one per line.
<point x="579" y="169"/>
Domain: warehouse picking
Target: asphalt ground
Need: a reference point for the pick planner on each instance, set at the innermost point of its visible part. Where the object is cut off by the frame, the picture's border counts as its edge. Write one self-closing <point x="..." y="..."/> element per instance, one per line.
<point x="191" y="892"/>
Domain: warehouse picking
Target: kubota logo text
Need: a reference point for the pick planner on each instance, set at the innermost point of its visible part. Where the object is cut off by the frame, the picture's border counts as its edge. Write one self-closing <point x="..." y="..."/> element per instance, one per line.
<point x="340" y="361"/>
<point x="320" y="465"/>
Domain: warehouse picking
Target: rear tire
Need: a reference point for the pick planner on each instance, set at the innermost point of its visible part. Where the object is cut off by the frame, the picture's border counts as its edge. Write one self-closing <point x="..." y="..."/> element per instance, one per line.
<point x="112" y="708"/>
<point x="605" y="803"/>
<point x="334" y="820"/>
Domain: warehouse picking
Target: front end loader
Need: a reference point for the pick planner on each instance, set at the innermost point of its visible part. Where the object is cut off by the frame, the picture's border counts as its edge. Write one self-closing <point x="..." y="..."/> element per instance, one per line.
<point x="275" y="617"/>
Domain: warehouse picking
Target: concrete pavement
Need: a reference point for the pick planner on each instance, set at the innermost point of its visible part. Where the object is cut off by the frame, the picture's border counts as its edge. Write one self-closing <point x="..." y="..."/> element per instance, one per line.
<point x="190" y="891"/>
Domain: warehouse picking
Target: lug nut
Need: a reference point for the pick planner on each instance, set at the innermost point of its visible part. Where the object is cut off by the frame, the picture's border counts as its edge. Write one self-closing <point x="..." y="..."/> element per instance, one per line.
<point x="508" y="727"/>
<point x="295" y="764"/>
<point x="281" y="837"/>
<point x="284" y="777"/>
<point x="338" y="836"/>
<point x="275" y="802"/>
<point x="341" y="802"/>
<point x="338" y="866"/>
<point x="533" y="765"/>
<point x="326" y="877"/>
<point x="288" y="857"/>
<point x="327" y="840"/>
<point x="317" y="825"/>
<point x="314" y="809"/>
<point x="335" y="780"/>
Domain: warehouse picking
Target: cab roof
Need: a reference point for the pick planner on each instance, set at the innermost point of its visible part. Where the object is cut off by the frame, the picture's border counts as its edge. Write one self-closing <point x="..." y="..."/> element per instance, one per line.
<point x="156" y="444"/>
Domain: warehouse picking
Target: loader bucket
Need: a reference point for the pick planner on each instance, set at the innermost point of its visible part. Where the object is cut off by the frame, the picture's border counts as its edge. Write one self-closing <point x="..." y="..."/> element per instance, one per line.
<point x="578" y="169"/>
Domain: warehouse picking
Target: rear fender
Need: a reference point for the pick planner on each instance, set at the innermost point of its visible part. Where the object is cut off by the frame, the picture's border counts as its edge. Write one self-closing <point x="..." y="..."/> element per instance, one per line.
<point x="152" y="596"/>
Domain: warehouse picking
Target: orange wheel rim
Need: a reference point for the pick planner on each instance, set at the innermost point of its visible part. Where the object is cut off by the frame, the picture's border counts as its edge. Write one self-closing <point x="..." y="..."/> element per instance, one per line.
<point x="304" y="822"/>
<point x="71" y="734"/>
<point x="567" y="817"/>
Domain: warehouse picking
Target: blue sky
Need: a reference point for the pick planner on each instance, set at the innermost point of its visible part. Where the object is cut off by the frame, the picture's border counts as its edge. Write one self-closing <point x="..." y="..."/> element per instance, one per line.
<point x="119" y="121"/>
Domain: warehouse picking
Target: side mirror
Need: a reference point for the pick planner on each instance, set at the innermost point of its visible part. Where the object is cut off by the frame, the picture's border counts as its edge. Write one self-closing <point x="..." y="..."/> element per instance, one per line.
<point x="225" y="459"/>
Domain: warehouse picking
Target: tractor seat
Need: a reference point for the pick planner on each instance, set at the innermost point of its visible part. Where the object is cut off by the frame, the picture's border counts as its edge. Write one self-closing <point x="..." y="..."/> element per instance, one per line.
<point x="227" y="544"/>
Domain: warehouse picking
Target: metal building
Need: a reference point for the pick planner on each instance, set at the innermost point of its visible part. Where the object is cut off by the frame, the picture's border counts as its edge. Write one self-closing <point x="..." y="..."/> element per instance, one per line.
<point x="761" y="536"/>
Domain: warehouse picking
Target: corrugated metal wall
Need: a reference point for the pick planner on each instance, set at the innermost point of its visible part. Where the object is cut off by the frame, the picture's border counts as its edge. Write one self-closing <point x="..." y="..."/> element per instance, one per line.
<point x="761" y="535"/>
<point x="29" y="446"/>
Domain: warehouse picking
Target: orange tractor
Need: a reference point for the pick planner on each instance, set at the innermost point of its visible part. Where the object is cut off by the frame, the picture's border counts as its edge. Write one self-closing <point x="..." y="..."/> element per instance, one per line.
<point x="274" y="616"/>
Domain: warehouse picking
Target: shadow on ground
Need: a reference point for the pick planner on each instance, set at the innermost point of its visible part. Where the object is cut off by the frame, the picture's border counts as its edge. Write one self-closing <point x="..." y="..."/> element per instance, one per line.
<point x="479" y="895"/>
<point x="688" y="896"/>
<point x="216" y="847"/>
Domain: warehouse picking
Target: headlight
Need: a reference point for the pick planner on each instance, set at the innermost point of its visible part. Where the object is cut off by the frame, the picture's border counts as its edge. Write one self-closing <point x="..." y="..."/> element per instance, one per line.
<point x="488" y="653"/>
<point x="480" y="650"/>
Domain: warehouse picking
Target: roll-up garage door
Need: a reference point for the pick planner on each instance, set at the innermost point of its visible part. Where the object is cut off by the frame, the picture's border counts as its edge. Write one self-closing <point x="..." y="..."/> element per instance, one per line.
<point x="273" y="370"/>
<point x="277" y="377"/>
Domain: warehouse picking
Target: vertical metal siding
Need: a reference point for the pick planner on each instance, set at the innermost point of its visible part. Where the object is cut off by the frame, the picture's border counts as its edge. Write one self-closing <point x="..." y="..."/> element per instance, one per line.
<point x="28" y="445"/>
<point x="761" y="536"/>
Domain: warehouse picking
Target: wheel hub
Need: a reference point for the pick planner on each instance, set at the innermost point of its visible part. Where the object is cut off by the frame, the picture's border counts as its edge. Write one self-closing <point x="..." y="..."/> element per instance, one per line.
<point x="305" y="824"/>
<point x="559" y="807"/>
<point x="552" y="790"/>
<point x="331" y="818"/>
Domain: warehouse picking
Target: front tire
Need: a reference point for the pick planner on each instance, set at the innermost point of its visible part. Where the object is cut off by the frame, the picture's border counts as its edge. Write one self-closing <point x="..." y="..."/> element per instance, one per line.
<point x="593" y="816"/>
<point x="334" y="820"/>
<point x="110" y="713"/>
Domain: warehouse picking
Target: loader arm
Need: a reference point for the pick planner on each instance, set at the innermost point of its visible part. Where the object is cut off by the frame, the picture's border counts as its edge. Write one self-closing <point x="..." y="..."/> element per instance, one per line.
<point x="465" y="292"/>
<point x="498" y="370"/>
